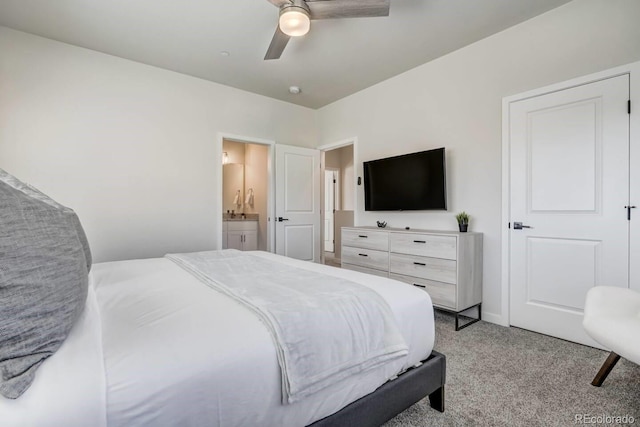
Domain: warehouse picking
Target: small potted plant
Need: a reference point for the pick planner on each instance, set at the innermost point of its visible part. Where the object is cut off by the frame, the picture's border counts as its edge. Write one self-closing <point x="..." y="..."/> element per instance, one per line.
<point x="463" y="221"/>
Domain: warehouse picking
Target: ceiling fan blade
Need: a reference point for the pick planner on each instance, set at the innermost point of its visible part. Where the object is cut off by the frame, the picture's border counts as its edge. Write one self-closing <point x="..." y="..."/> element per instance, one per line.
<point x="332" y="9"/>
<point x="278" y="43"/>
<point x="279" y="3"/>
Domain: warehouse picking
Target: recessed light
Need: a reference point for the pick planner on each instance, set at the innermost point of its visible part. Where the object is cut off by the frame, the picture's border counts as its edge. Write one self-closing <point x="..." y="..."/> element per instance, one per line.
<point x="294" y="90"/>
<point x="224" y="53"/>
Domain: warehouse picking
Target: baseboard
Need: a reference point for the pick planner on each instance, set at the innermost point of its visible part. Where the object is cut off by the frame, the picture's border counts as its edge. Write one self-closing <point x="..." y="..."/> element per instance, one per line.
<point x="498" y="319"/>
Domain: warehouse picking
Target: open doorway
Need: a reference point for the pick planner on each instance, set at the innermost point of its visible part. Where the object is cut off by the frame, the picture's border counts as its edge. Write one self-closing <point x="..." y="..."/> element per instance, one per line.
<point x="246" y="190"/>
<point x="338" y="194"/>
<point x="331" y="204"/>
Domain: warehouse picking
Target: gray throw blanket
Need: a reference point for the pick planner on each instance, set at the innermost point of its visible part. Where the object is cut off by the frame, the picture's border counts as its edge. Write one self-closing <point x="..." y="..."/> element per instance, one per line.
<point x="325" y="328"/>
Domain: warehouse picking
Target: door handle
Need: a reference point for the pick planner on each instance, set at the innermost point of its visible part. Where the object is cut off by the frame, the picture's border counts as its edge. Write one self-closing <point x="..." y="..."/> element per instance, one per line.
<point x="280" y="219"/>
<point x="363" y="254"/>
<point x="520" y="226"/>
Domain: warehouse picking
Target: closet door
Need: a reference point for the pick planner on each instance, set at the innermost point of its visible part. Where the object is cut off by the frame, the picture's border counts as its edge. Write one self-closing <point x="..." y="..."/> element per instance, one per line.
<point x="569" y="188"/>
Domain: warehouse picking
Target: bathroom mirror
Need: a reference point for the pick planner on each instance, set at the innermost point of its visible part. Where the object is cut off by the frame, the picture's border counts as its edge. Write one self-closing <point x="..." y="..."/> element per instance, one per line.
<point x="232" y="183"/>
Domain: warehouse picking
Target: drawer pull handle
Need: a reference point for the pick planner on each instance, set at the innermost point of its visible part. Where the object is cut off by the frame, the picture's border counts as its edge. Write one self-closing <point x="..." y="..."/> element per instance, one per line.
<point x="420" y="263"/>
<point x="363" y="236"/>
<point x="420" y="286"/>
<point x="363" y="254"/>
<point x="419" y="241"/>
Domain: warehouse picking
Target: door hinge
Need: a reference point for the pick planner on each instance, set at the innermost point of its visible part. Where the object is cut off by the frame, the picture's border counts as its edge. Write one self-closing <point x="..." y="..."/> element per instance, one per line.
<point x="509" y="225"/>
<point x="334" y="181"/>
<point x="629" y="107"/>
<point x="628" y="208"/>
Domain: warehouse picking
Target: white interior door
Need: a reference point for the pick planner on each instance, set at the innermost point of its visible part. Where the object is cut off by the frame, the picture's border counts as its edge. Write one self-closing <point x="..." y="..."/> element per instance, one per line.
<point x="570" y="184"/>
<point x="329" y="209"/>
<point x="298" y="202"/>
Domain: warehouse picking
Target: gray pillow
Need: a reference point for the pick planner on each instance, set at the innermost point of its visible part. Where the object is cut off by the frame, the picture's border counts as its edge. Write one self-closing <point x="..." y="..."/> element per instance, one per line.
<point x="44" y="264"/>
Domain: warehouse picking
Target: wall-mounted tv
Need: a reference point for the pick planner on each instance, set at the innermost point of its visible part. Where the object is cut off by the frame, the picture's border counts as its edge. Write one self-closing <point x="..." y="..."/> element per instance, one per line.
<point x="415" y="181"/>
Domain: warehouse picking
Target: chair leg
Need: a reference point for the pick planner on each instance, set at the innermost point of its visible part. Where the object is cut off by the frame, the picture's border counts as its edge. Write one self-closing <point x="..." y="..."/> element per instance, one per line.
<point x="606" y="368"/>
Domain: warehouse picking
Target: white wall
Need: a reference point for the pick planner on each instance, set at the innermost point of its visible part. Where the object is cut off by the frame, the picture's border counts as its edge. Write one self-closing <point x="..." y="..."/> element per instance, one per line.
<point x="455" y="102"/>
<point x="130" y="147"/>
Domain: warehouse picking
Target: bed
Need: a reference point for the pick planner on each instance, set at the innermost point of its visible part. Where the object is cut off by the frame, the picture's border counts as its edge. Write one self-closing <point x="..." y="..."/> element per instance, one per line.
<point x="155" y="346"/>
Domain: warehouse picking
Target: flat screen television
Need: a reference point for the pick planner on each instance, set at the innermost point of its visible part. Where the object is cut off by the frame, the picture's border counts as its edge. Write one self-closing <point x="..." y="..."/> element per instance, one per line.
<point x="415" y="181"/>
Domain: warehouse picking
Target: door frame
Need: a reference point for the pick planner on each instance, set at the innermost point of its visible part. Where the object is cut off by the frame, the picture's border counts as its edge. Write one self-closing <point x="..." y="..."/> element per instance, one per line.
<point x="633" y="70"/>
<point x="271" y="244"/>
<point x="353" y="141"/>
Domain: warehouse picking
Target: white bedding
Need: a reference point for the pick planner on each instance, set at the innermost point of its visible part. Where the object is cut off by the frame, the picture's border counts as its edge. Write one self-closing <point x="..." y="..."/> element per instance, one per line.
<point x="177" y="353"/>
<point x="294" y="304"/>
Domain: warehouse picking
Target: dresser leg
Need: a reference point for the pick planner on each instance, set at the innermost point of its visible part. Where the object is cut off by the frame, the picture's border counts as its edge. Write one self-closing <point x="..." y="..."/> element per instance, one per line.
<point x="458" y="327"/>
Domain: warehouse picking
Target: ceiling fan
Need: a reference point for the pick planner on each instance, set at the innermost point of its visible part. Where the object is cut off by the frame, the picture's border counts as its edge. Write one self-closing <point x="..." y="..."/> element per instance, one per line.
<point x="296" y="16"/>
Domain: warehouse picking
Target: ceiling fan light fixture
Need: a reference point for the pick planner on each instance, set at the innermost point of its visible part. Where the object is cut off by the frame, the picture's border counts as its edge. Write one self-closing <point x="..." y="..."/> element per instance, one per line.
<point x="294" y="21"/>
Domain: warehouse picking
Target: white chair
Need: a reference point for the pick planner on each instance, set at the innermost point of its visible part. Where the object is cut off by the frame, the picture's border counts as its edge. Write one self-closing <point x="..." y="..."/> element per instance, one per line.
<point x="612" y="318"/>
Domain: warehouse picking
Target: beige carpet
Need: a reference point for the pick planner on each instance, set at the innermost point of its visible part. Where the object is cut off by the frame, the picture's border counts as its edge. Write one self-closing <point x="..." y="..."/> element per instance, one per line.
<point x="499" y="376"/>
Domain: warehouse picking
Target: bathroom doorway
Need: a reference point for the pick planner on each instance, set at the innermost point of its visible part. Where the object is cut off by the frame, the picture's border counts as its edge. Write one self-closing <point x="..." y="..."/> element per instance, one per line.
<point x="246" y="190"/>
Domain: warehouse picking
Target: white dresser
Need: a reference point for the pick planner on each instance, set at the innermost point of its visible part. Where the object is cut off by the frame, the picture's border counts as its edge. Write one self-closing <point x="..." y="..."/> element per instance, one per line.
<point x="446" y="264"/>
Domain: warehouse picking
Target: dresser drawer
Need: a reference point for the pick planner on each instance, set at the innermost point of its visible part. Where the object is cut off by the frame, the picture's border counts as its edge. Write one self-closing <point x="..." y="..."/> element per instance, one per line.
<point x="365" y="257"/>
<point x="424" y="245"/>
<point x="440" y="270"/>
<point x="378" y="240"/>
<point x="442" y="294"/>
<point x="365" y="270"/>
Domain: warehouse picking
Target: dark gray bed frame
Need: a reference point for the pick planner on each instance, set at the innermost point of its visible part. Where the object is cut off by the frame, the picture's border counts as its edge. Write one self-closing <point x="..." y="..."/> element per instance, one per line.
<point x="395" y="396"/>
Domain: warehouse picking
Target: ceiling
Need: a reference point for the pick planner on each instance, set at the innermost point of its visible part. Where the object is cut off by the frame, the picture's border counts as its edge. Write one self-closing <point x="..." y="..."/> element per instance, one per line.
<point x="337" y="57"/>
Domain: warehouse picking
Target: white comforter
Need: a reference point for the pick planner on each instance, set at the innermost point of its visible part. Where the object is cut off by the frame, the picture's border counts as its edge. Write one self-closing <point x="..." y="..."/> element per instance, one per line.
<point x="324" y="328"/>
<point x="177" y="353"/>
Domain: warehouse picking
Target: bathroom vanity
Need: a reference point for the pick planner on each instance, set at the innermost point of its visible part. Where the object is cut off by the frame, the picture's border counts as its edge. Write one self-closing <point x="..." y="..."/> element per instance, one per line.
<point x="240" y="233"/>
